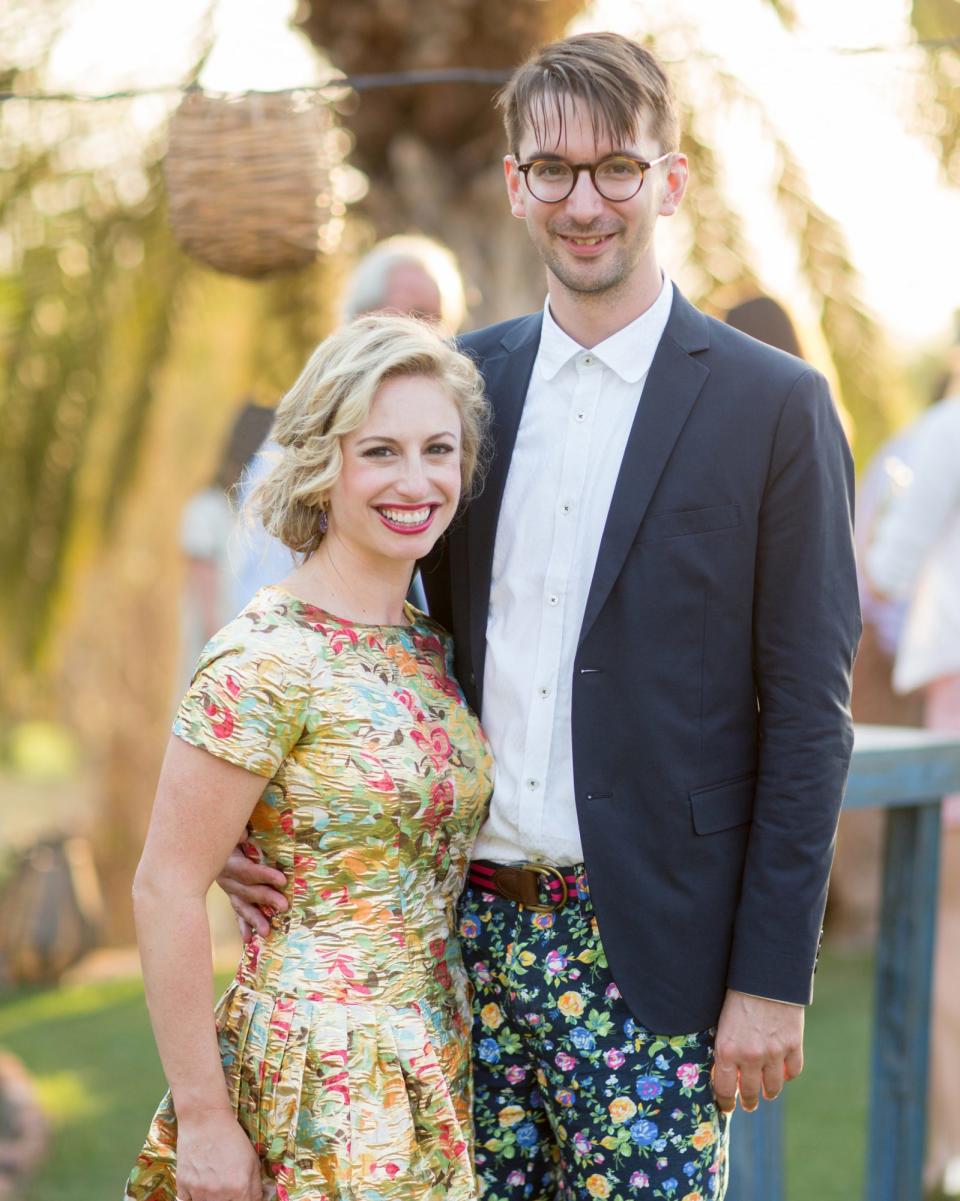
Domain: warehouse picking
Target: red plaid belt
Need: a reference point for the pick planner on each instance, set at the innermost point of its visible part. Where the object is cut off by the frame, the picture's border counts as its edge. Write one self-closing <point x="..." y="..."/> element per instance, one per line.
<point x="527" y="884"/>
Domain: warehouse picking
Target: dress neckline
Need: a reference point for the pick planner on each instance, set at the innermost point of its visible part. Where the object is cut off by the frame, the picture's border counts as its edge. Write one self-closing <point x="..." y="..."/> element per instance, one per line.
<point x="411" y="612"/>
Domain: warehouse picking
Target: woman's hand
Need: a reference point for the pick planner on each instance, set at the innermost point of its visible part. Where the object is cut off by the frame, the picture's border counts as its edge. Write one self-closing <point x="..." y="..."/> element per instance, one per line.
<point x="215" y="1159"/>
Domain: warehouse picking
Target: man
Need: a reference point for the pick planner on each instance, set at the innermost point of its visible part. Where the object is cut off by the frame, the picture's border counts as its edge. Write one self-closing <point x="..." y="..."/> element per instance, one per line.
<point x="408" y="273"/>
<point x="654" y="606"/>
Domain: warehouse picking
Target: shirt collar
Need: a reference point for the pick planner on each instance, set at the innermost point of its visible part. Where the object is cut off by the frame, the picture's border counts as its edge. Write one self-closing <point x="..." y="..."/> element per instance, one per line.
<point x="629" y="352"/>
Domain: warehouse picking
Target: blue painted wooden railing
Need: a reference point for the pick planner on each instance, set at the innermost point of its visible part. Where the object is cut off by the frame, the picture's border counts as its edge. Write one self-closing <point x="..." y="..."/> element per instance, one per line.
<point x="906" y="772"/>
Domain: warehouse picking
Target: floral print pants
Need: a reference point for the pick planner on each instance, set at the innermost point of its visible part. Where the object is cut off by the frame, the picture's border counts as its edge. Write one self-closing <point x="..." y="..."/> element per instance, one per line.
<point x="573" y="1098"/>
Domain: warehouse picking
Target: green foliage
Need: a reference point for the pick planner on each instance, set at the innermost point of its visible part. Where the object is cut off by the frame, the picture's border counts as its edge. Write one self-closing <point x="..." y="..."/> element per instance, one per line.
<point x="871" y="390"/>
<point x="78" y="223"/>
<point x="937" y="22"/>
<point x="86" y="324"/>
<point x="719" y="255"/>
<point x="91" y="288"/>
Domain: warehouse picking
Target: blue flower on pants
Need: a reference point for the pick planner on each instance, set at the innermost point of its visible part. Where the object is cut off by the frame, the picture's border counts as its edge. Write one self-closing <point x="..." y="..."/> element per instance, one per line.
<point x="488" y="1050"/>
<point x="582" y="1039"/>
<point x="469" y="927"/>
<point x="527" y="1135"/>
<point x="644" y="1132"/>
<point x="649" y="1087"/>
<point x="669" y="1185"/>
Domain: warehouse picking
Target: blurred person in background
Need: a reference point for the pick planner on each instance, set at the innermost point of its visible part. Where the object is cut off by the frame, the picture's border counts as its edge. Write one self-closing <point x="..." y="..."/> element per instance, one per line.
<point x="913" y="559"/>
<point x="768" y="321"/>
<point x="206" y="531"/>
<point x="409" y="274"/>
<point x="325" y="715"/>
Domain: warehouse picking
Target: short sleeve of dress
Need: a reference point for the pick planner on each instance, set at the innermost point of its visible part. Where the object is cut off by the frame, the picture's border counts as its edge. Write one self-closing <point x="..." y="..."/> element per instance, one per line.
<point x="249" y="699"/>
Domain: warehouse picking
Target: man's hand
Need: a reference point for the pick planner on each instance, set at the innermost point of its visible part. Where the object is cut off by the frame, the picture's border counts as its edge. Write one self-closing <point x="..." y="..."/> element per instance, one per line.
<point x="252" y="888"/>
<point x="759" y="1046"/>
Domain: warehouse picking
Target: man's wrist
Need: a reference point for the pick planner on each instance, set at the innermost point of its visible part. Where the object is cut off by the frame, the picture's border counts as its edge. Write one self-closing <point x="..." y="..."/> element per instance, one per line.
<point x="777" y="1000"/>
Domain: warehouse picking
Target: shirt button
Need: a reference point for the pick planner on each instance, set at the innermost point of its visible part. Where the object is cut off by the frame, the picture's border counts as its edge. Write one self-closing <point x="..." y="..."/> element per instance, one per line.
<point x="588" y="359"/>
<point x="543" y="692"/>
<point x="580" y="415"/>
<point x="553" y="599"/>
<point x="565" y="509"/>
<point x="533" y="785"/>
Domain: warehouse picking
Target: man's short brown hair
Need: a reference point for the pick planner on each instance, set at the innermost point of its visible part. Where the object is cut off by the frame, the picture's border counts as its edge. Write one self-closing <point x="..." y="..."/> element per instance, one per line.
<point x="616" y="78"/>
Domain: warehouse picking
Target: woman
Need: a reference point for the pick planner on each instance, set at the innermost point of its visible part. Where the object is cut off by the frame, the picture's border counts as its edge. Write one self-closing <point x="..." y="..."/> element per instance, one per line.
<point x="339" y="1063"/>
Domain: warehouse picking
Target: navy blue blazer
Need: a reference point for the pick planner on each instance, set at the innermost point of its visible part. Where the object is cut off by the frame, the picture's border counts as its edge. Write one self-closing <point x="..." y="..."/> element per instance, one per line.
<point x="711" y="724"/>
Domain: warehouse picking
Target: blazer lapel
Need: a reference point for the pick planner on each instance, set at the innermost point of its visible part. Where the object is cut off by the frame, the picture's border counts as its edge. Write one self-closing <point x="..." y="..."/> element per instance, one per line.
<point x="669" y="394"/>
<point x="507" y="376"/>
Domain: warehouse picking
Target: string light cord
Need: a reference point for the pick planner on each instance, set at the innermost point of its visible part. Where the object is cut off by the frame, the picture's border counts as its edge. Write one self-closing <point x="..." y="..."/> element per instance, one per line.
<point x="394" y="79"/>
<point x="357" y="83"/>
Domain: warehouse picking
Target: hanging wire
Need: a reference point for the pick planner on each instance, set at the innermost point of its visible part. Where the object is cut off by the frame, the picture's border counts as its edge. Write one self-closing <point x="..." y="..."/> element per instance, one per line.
<point x="920" y="44"/>
<point x="393" y="79"/>
<point x="358" y="83"/>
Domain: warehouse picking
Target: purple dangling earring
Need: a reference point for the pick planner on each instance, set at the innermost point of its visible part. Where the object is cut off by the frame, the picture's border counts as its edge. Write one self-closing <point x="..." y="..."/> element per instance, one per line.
<point x="322" y="522"/>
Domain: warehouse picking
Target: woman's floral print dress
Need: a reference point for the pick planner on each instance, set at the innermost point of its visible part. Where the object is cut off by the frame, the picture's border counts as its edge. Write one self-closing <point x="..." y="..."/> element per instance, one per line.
<point x="345" y="1034"/>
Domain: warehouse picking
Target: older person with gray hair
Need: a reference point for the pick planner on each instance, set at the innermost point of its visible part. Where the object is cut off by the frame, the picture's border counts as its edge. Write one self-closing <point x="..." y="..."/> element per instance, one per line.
<point x="407" y="274"/>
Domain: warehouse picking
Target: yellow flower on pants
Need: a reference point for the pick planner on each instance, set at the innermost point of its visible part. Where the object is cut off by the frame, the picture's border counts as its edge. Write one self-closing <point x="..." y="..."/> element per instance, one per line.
<point x="570" y="1004"/>
<point x="621" y="1108"/>
<point x="598" y="1186"/>
<point x="491" y="1016"/>
<point x="704" y="1136"/>
<point x="511" y="1114"/>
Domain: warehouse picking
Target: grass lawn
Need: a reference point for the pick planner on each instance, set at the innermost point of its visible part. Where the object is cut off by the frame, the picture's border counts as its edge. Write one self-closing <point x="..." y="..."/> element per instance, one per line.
<point x="91" y="1052"/>
<point x="826" y="1124"/>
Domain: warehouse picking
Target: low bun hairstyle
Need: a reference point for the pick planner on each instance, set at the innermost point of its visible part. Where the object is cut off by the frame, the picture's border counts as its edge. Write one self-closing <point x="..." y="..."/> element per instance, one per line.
<point x="332" y="398"/>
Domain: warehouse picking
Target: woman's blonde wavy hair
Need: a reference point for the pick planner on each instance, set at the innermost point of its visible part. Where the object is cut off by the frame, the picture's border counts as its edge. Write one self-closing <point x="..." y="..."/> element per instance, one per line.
<point x="332" y="398"/>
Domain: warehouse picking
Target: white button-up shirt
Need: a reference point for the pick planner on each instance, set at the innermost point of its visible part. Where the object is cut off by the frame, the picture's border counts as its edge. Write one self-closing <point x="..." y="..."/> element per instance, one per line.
<point x="578" y="413"/>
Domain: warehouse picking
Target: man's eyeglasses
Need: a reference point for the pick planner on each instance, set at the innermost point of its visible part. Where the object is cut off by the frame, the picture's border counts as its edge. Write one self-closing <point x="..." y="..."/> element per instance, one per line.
<point x="616" y="177"/>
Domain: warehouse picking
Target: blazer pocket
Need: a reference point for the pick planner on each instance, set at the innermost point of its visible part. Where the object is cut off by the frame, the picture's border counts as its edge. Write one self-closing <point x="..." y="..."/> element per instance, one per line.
<point x="679" y="522"/>
<point x="723" y="806"/>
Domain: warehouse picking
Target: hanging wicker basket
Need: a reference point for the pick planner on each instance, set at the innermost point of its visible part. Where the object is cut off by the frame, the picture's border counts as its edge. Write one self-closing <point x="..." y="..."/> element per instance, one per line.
<point x="250" y="180"/>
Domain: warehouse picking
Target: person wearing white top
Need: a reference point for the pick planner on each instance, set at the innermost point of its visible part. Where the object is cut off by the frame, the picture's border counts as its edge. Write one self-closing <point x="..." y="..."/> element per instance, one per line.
<point x="914" y="557"/>
<point x="914" y="554"/>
